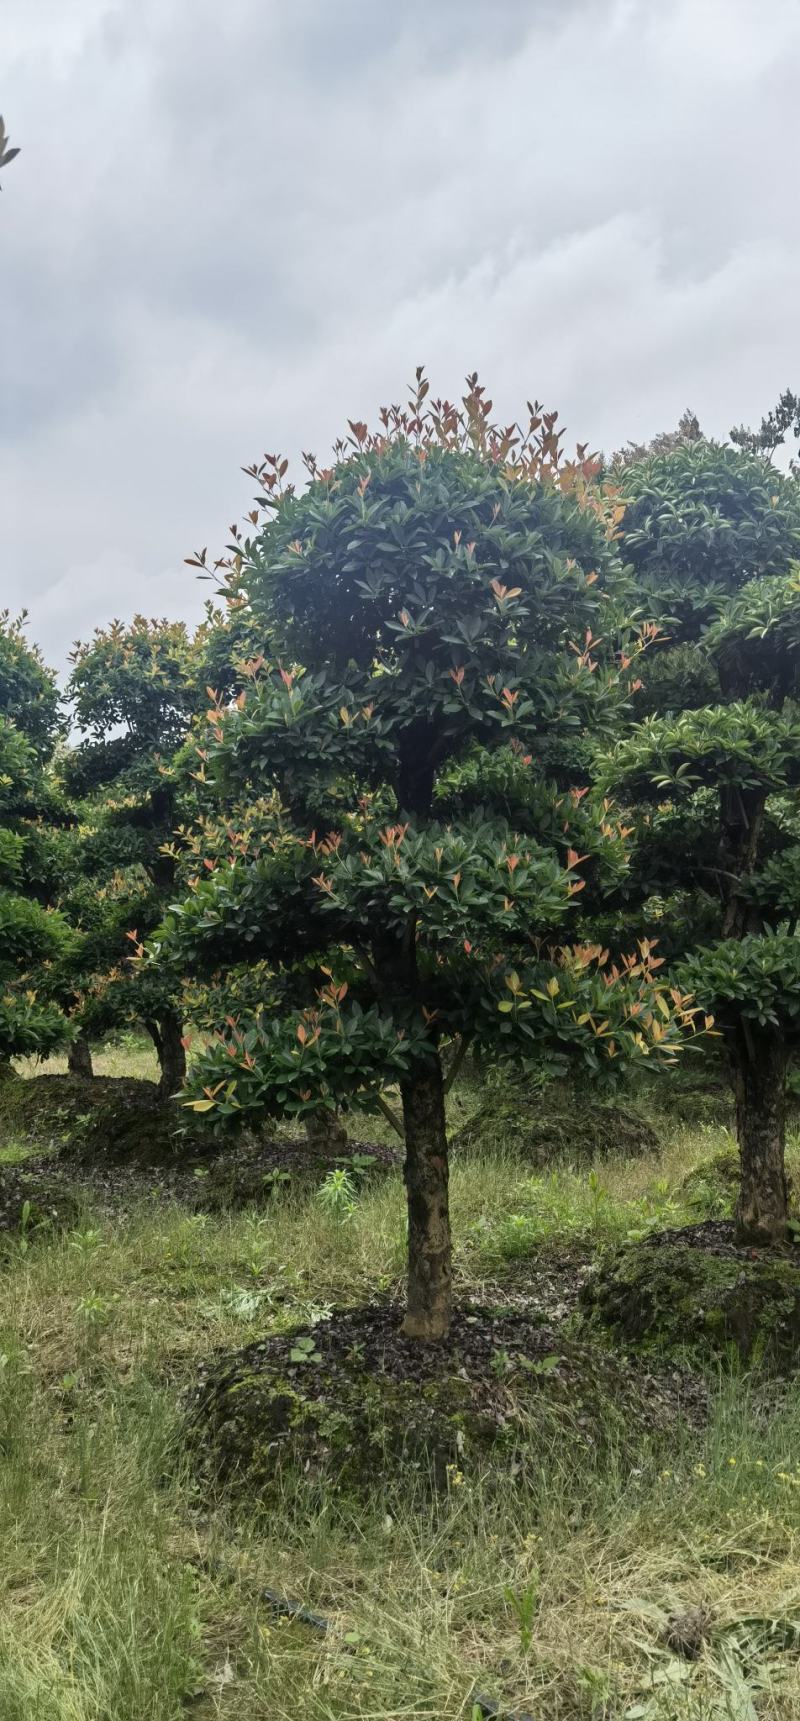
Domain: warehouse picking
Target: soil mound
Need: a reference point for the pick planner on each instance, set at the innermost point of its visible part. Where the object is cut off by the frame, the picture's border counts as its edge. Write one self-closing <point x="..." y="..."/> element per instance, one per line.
<point x="353" y="1399"/>
<point x="696" y="1290"/>
<point x="546" y="1131"/>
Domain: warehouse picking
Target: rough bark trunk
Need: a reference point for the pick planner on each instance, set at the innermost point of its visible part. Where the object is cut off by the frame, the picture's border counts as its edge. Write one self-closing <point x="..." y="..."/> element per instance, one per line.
<point x="171" y="1056"/>
<point x="325" y="1132"/>
<point x="426" y="1177"/>
<point x="79" y="1058"/>
<point x="741" y="819"/>
<point x="760" y="1061"/>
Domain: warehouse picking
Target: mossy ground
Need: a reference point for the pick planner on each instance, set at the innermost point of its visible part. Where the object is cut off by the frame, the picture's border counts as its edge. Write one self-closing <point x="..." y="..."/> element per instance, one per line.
<point x="129" y="1589"/>
<point x="352" y="1394"/>
<point x="712" y="1187"/>
<point x="111" y="1139"/>
<point x="553" y="1127"/>
<point x="695" y="1292"/>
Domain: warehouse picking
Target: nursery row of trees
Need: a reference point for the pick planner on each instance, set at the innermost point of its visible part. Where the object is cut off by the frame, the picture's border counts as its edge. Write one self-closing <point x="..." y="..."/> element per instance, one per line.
<point x="484" y="750"/>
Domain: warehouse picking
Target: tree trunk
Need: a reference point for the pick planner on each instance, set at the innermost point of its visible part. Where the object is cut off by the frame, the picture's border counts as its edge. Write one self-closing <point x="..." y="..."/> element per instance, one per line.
<point x="760" y="1060"/>
<point x="79" y="1058"/>
<point x="426" y="1177"/>
<point x="741" y="814"/>
<point x="325" y="1132"/>
<point x="171" y="1055"/>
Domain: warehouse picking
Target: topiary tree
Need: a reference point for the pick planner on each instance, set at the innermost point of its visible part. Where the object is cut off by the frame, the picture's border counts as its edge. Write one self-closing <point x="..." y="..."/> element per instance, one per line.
<point x="29" y="697"/>
<point x="781" y="421"/>
<point x="31" y="936"/>
<point x="133" y="690"/>
<point x="441" y="588"/>
<point x="714" y="766"/>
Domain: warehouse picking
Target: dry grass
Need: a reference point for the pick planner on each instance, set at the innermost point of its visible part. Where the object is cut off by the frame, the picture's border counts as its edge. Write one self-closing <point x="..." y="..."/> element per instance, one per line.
<point x="105" y="1611"/>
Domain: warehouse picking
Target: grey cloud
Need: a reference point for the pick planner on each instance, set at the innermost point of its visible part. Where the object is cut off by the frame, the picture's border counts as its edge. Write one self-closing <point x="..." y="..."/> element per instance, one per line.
<point x="232" y="226"/>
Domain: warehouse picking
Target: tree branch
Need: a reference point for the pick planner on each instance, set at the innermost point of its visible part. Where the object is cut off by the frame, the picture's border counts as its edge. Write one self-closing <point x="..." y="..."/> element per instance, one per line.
<point x="390" y="1115"/>
<point x="367" y="965"/>
<point x="409" y="931"/>
<point x="456" y="1061"/>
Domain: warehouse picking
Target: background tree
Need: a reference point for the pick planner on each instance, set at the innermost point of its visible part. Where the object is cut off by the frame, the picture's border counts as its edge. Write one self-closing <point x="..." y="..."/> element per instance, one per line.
<point x="781" y="421"/>
<point x="29" y="697"/>
<point x="31" y="936"/>
<point x="133" y="690"/>
<point x="714" y="765"/>
<point x="6" y="152"/>
<point x="687" y="430"/>
<point x="442" y="586"/>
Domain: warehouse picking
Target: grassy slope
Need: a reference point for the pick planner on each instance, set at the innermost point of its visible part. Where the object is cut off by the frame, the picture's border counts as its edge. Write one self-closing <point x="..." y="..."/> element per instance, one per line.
<point x="104" y="1611"/>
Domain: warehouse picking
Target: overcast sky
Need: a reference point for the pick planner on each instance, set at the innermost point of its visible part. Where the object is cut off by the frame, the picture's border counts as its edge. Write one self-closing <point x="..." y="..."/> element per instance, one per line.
<point x="233" y="225"/>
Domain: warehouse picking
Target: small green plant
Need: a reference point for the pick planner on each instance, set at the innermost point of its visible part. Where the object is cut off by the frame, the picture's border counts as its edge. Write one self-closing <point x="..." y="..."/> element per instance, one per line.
<point x="85" y="1242"/>
<point x="275" y="1180"/>
<point x="502" y="1364"/>
<point x="29" y="1221"/>
<point x="524" y="1605"/>
<point x="242" y="1303"/>
<point x="305" y="1350"/>
<point x="599" y="1198"/>
<point x="596" y="1685"/>
<point x="358" y="1163"/>
<point x="543" y="1365"/>
<point x="312" y="1313"/>
<point x="95" y="1309"/>
<point x="337" y="1195"/>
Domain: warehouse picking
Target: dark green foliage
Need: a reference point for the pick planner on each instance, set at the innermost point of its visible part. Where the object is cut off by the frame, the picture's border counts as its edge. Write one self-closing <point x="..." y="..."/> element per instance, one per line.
<point x="699" y="523"/>
<point x="436" y="600"/>
<point x="667" y="1295"/>
<point x="138" y="675"/>
<point x="711" y="771"/>
<point x="141" y="677"/>
<point x="28" y="693"/>
<point x="32" y="938"/>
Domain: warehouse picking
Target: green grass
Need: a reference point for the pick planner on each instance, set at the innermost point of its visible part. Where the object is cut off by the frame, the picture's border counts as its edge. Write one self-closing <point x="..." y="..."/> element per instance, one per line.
<point x="129" y="1055"/>
<point x="112" y="1605"/>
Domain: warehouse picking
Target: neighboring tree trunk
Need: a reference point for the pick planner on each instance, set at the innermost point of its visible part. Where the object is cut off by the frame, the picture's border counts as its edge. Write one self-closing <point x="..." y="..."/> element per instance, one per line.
<point x="167" y="1037"/>
<point x="325" y="1132"/>
<point x="79" y="1058"/>
<point x="758" y="1055"/>
<point x="426" y="1177"/>
<point x="760" y="1062"/>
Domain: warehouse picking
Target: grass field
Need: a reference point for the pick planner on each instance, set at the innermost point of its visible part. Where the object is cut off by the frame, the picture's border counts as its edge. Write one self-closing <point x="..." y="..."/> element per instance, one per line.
<point x="127" y="1595"/>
